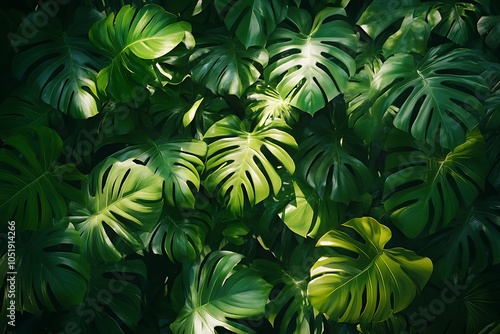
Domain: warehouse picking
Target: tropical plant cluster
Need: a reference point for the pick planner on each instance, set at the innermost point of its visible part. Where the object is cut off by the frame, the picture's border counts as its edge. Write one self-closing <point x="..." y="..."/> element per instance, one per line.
<point x="252" y="166"/>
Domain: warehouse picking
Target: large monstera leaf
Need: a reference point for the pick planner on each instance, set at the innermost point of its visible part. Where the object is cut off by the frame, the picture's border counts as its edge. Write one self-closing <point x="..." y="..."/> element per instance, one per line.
<point x="61" y="66"/>
<point x="436" y="96"/>
<point x="223" y="65"/>
<point x="217" y="292"/>
<point x="238" y="165"/>
<point x="51" y="272"/>
<point x="130" y="40"/>
<point x="363" y="281"/>
<point x="122" y="200"/>
<point x="33" y="192"/>
<point x="309" y="63"/>
<point x="327" y="161"/>
<point x="471" y="244"/>
<point x="426" y="191"/>
<point x="178" y="162"/>
<point x="253" y="20"/>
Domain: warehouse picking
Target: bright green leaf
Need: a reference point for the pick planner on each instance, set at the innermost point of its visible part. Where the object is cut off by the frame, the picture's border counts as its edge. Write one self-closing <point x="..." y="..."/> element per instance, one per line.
<point x="238" y="168"/>
<point x="217" y="293"/>
<point x="122" y="200"/>
<point x="309" y="64"/>
<point x="363" y="281"/>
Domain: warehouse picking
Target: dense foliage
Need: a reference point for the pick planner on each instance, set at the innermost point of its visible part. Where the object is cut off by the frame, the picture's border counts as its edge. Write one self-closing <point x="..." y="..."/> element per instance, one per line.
<point x="239" y="166"/>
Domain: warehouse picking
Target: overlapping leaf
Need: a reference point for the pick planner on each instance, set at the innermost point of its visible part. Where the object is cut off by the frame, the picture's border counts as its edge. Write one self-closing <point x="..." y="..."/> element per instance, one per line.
<point x="60" y="65"/>
<point x="252" y="20"/>
<point x="217" y="293"/>
<point x="310" y="64"/>
<point x="33" y="189"/>
<point x="223" y="65"/>
<point x="238" y="167"/>
<point x="476" y="231"/>
<point x="122" y="200"/>
<point x="51" y="272"/>
<point x="363" y="281"/>
<point x="178" y="162"/>
<point x="426" y="191"/>
<point x="327" y="161"/>
<point x="436" y="96"/>
<point x="130" y="40"/>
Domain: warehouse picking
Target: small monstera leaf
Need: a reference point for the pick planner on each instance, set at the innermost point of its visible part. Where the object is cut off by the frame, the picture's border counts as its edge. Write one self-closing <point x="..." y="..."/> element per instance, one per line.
<point x="327" y="161"/>
<point x="52" y="274"/>
<point x="309" y="63"/>
<point x="61" y="65"/>
<point x="253" y="20"/>
<point x="130" y="40"/>
<point x="489" y="27"/>
<point x="471" y="244"/>
<point x="113" y="300"/>
<point x="265" y="105"/>
<point x="381" y="14"/>
<point x="453" y="19"/>
<point x="367" y="282"/>
<point x="439" y="94"/>
<point x="182" y="239"/>
<point x="122" y="200"/>
<point x="290" y="311"/>
<point x="308" y="215"/>
<point x="33" y="192"/>
<point x="177" y="162"/>
<point x="223" y="65"/>
<point x="426" y="191"/>
<point x="217" y="292"/>
<point x="238" y="165"/>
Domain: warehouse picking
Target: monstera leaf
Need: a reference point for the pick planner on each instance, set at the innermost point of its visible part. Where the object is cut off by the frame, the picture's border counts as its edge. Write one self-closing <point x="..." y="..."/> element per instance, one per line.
<point x="33" y="192"/>
<point x="489" y="26"/>
<point x="61" y="66"/>
<point x="223" y="65"/>
<point x="453" y="19"/>
<point x="308" y="215"/>
<point x="23" y="109"/>
<point x="177" y="162"/>
<point x="253" y="20"/>
<point x="122" y="200"/>
<point x="380" y="14"/>
<point x="130" y="40"/>
<point x="426" y="191"/>
<point x="327" y="161"/>
<point x="437" y="95"/>
<point x="113" y="301"/>
<point x="265" y="105"/>
<point x="217" y="293"/>
<point x="51" y="272"/>
<point x="367" y="282"/>
<point x="464" y="306"/>
<point x="471" y="244"/>
<point x="238" y="165"/>
<point x="182" y="239"/>
<point x="310" y="65"/>
<point x="290" y="311"/>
